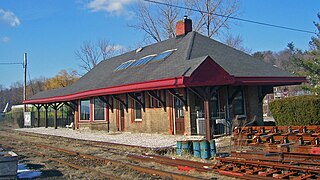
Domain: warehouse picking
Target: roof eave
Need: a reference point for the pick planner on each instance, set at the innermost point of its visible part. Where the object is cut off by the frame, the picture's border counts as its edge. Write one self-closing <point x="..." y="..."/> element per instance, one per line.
<point x="176" y="82"/>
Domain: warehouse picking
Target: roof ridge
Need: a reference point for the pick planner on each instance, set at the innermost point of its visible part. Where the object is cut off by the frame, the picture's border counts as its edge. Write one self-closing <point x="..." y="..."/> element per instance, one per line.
<point x="190" y="45"/>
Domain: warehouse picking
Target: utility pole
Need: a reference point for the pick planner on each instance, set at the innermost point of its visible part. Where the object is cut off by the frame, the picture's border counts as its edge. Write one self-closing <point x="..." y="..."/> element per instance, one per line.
<point x="25" y="81"/>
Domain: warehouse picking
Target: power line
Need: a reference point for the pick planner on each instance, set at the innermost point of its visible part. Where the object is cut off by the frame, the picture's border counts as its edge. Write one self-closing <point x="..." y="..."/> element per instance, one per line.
<point x="234" y="18"/>
<point x="9" y="63"/>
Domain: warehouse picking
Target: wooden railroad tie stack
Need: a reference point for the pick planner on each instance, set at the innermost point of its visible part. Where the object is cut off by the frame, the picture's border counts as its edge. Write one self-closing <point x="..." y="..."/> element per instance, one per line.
<point x="294" y="139"/>
<point x="287" y="152"/>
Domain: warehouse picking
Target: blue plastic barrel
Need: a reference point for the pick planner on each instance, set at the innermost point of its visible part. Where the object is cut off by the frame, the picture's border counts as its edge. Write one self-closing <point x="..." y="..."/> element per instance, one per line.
<point x="179" y="147"/>
<point x="186" y="148"/>
<point x="213" y="148"/>
<point x="196" y="149"/>
<point x="205" y="149"/>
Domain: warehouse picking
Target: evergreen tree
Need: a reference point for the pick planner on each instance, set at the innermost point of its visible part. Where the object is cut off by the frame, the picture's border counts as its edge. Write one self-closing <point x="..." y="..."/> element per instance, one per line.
<point x="310" y="62"/>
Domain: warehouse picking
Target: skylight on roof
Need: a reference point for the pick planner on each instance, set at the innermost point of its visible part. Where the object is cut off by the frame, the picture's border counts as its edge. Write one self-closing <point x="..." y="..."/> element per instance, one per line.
<point x="143" y="60"/>
<point x="124" y="65"/>
<point x="163" y="55"/>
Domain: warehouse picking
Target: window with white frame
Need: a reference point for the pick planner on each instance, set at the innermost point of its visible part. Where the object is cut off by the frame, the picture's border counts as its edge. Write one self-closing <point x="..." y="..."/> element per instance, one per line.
<point x="85" y="109"/>
<point x="99" y="109"/>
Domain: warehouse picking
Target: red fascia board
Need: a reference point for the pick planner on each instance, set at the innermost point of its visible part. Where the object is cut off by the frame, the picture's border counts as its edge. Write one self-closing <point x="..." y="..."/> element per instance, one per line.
<point x="142" y="86"/>
<point x="269" y="80"/>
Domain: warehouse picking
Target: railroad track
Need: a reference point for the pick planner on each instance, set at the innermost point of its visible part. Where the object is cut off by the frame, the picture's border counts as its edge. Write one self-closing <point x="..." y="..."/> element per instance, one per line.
<point x="289" y="158"/>
<point x="71" y="158"/>
<point x="136" y="164"/>
<point x="253" y="169"/>
<point x="245" y="165"/>
<point x="288" y="152"/>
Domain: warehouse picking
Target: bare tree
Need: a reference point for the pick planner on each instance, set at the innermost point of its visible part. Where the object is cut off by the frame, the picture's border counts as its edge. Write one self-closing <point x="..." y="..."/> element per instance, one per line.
<point x="214" y="15"/>
<point x="158" y="21"/>
<point x="233" y="41"/>
<point x="236" y="42"/>
<point x="91" y="54"/>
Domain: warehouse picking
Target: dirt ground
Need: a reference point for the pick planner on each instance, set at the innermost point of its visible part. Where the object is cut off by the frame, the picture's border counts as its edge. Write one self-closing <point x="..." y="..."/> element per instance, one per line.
<point x="53" y="170"/>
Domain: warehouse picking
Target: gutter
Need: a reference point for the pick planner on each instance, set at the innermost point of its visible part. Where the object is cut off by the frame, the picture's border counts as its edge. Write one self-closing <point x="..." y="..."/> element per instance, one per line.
<point x="270" y="80"/>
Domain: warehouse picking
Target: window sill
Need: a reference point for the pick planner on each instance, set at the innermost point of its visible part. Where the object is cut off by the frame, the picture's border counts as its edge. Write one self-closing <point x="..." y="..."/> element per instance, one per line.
<point x="138" y="120"/>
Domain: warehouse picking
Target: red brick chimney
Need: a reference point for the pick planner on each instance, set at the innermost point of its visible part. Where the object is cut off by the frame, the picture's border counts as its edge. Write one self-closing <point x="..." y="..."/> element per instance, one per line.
<point x="183" y="26"/>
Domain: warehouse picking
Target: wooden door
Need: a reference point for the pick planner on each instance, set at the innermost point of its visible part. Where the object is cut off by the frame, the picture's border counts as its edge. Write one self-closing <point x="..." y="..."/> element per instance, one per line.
<point x="179" y="125"/>
<point x="179" y="116"/>
<point x="121" y="117"/>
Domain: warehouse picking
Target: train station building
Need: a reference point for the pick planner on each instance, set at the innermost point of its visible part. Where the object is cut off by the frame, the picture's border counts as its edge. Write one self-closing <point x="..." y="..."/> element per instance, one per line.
<point x="189" y="84"/>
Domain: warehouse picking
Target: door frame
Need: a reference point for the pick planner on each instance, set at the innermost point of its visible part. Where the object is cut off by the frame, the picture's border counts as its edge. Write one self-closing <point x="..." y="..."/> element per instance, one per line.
<point x="175" y="118"/>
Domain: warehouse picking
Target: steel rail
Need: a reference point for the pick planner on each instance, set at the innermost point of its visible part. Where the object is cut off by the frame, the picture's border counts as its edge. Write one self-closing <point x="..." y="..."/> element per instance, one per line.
<point x="75" y="166"/>
<point x="182" y="161"/>
<point x="199" y="166"/>
<point x="270" y="165"/>
<point x="259" y="170"/>
<point x="279" y="157"/>
<point x="179" y="163"/>
<point x="66" y="163"/>
<point x="119" y="163"/>
<point x="115" y="162"/>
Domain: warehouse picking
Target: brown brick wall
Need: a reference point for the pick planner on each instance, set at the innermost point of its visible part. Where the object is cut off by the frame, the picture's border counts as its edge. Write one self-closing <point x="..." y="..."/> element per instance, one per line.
<point x="154" y="120"/>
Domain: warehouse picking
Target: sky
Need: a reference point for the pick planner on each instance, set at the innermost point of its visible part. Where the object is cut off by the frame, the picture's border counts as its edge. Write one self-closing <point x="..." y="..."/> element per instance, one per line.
<point x="50" y="31"/>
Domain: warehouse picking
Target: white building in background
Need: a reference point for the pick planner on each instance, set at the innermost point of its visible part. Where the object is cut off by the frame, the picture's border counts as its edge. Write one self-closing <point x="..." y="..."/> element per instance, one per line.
<point x="279" y="93"/>
<point x="20" y="106"/>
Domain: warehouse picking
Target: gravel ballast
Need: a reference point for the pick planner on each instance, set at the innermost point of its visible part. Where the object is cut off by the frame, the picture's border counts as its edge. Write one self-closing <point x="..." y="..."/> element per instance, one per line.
<point x="127" y="138"/>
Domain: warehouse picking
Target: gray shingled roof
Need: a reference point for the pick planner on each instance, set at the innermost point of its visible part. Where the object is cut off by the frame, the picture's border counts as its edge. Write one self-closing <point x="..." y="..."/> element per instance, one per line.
<point x="192" y="50"/>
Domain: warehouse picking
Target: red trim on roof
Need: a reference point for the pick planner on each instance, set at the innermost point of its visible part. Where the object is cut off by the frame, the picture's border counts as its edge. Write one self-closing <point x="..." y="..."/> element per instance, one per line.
<point x="269" y="80"/>
<point x="142" y="86"/>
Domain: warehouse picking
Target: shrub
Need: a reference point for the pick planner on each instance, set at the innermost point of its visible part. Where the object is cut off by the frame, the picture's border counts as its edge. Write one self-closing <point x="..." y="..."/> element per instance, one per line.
<point x="296" y="111"/>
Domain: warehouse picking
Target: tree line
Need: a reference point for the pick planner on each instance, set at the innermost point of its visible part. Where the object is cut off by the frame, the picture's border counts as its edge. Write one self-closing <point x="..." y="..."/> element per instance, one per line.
<point x="14" y="94"/>
<point x="304" y="63"/>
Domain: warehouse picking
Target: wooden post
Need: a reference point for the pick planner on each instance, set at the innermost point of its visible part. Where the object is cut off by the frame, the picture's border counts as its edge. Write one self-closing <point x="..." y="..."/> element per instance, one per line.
<point x="207" y="119"/>
<point x="46" y="106"/>
<point x="38" y="116"/>
<point x="76" y="118"/>
<point x="55" y="117"/>
<point x="56" y="106"/>
<point x="38" y="111"/>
